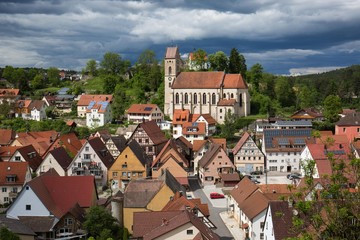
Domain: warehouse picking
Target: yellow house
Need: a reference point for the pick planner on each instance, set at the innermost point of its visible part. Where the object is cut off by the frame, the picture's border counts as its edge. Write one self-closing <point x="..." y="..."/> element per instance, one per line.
<point x="130" y="164"/>
<point x="143" y="195"/>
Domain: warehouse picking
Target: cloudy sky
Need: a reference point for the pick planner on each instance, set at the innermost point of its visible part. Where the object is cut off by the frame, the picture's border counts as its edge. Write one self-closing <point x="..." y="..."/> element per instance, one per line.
<point x="284" y="36"/>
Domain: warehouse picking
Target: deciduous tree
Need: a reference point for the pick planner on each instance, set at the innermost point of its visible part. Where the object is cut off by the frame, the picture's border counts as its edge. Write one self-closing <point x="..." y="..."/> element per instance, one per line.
<point x="219" y="61"/>
<point x="237" y="63"/>
<point x="332" y="108"/>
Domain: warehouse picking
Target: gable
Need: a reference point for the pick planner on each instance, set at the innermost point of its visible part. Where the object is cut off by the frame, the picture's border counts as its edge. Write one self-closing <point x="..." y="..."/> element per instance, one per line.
<point x="27" y="197"/>
<point x="160" y="199"/>
<point x="174" y="167"/>
<point x="129" y="158"/>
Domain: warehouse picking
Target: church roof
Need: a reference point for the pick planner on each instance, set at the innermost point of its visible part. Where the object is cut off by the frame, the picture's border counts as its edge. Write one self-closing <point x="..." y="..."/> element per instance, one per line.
<point x="201" y="80"/>
<point x="171" y="52"/>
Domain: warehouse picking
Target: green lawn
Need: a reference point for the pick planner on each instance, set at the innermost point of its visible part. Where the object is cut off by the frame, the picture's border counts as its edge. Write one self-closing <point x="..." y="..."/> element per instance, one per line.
<point x="93" y="85"/>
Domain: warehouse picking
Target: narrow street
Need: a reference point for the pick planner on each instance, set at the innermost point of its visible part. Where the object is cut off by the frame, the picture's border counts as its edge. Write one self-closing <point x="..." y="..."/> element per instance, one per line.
<point x="221" y="230"/>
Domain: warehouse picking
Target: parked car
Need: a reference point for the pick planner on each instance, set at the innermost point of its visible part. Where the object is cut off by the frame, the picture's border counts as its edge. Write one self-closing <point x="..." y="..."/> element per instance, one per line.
<point x="257" y="172"/>
<point x="254" y="180"/>
<point x="216" y="195"/>
<point x="294" y="175"/>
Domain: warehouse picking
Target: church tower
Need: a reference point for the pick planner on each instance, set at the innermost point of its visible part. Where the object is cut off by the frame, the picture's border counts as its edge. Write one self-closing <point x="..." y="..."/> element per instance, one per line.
<point x="172" y="68"/>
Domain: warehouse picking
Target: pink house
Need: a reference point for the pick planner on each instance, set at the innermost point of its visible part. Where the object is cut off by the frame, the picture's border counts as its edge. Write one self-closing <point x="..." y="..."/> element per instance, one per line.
<point x="214" y="163"/>
<point x="349" y="125"/>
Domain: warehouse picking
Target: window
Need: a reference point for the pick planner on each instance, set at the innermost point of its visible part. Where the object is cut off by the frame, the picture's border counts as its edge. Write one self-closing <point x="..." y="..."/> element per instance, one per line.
<point x="177" y="98"/>
<point x="220" y="110"/>
<point x="124" y="174"/>
<point x="344" y="129"/>
<point x="4" y="189"/>
<point x="189" y="232"/>
<point x="232" y="96"/>
<point x="124" y="165"/>
<point x="134" y="174"/>
<point x="6" y="199"/>
<point x="68" y="221"/>
<point x="28" y="207"/>
<point x="170" y="70"/>
<point x="115" y="174"/>
<point x="262" y="225"/>
<point x="140" y="174"/>
<point x="240" y="100"/>
<point x="186" y="98"/>
<point x="14" y="190"/>
<point x="86" y="148"/>
<point x="195" y="98"/>
<point x="213" y="99"/>
<point x="204" y="98"/>
<point x="261" y="235"/>
<point x="27" y="188"/>
<point x="87" y="156"/>
<point x="17" y="158"/>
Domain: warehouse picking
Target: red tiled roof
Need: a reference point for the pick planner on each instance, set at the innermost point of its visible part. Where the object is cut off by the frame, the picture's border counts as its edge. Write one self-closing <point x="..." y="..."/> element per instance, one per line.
<point x="31" y="156"/>
<point x="219" y="141"/>
<point x="154" y="132"/>
<point x="86" y="99"/>
<point x="243" y="190"/>
<point x="209" y="119"/>
<point x="101" y="150"/>
<point x="180" y="202"/>
<point x="142" y="108"/>
<point x="234" y="81"/>
<point x="7" y="136"/>
<point x="197" y="144"/>
<point x="226" y="102"/>
<point x="18" y="169"/>
<point x="198" y="80"/>
<point x="7" y="151"/>
<point x="165" y="152"/>
<point x="60" y="194"/>
<point x="171" y="52"/>
<point x="349" y="120"/>
<point x="188" y="128"/>
<point x="9" y="92"/>
<point x="68" y="141"/>
<point x="42" y="141"/>
<point x="181" y="116"/>
<point x="240" y="143"/>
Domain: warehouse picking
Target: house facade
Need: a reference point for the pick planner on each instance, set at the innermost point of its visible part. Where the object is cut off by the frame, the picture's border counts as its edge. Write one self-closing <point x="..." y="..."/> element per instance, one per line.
<point x="283" y="147"/>
<point x="150" y="138"/>
<point x="247" y="155"/>
<point x="9" y="95"/>
<point x="13" y="176"/>
<point x="130" y="164"/>
<point x="31" y="109"/>
<point x="86" y="99"/>
<point x="138" y="113"/>
<point x="349" y="125"/>
<point x="213" y="93"/>
<point x="92" y="159"/>
<point x="192" y="126"/>
<point x="57" y="159"/>
<point x="214" y="162"/>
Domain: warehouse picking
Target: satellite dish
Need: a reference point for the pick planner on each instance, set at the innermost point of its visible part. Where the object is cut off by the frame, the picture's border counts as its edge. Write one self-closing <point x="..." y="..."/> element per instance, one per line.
<point x="295" y="212"/>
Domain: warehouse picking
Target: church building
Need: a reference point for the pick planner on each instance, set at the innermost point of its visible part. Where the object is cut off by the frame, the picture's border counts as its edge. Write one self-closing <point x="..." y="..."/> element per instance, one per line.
<point x="213" y="93"/>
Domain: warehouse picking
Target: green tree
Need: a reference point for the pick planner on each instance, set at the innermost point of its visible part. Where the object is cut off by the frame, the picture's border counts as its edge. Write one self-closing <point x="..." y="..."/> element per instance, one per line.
<point x="284" y="92"/>
<point x="307" y="97"/>
<point x="199" y="61"/>
<point x="53" y="76"/>
<point x="218" y="61"/>
<point x="7" y="73"/>
<point x="6" y="234"/>
<point x="100" y="223"/>
<point x="255" y="76"/>
<point x="120" y="102"/>
<point x="91" y="67"/>
<point x="332" y="108"/>
<point x="148" y="72"/>
<point x="333" y="212"/>
<point x="237" y="63"/>
<point x="228" y="128"/>
<point x="20" y="79"/>
<point x="37" y="82"/>
<point x="112" y="64"/>
<point x="109" y="83"/>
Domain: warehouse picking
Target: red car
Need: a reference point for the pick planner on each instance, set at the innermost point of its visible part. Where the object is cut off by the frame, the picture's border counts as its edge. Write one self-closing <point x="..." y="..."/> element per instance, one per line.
<point x="216" y="195"/>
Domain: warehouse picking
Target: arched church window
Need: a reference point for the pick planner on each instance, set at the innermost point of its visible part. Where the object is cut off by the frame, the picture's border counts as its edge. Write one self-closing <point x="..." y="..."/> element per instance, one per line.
<point x="170" y="70"/>
<point x="204" y="98"/>
<point x="213" y="99"/>
<point x="186" y="98"/>
<point x="177" y="98"/>
<point x="195" y="98"/>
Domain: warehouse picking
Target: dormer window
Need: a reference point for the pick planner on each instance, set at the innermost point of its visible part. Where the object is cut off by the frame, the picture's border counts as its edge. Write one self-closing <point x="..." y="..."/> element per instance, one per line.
<point x="11" y="178"/>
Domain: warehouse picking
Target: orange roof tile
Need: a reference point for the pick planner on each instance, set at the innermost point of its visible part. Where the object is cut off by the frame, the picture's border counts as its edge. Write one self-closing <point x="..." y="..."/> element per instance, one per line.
<point x="19" y="169"/>
<point x="9" y="92"/>
<point x="142" y="108"/>
<point x="86" y="99"/>
<point x="226" y="102"/>
<point x="234" y="81"/>
<point x="190" y="129"/>
<point x="7" y="136"/>
<point x="198" y="80"/>
<point x="197" y="144"/>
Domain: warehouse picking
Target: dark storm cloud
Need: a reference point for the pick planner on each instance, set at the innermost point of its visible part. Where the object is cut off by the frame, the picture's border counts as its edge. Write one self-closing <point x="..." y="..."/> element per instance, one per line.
<point x="281" y="35"/>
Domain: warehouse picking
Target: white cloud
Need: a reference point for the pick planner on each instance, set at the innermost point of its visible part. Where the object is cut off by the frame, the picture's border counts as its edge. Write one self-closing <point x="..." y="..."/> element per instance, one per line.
<point x="312" y="70"/>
